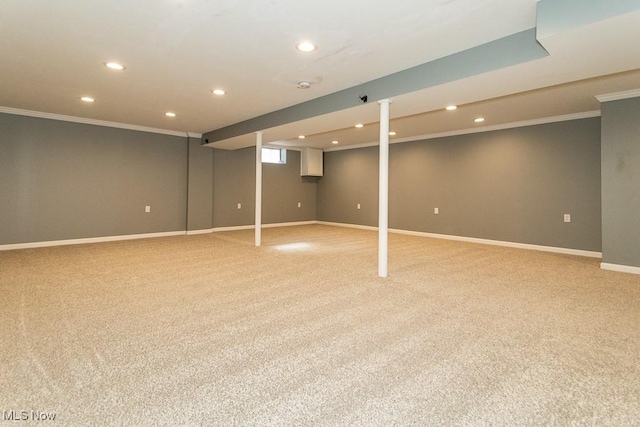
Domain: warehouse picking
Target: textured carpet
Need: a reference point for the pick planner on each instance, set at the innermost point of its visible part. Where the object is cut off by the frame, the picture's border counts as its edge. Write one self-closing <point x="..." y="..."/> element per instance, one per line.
<point x="209" y="330"/>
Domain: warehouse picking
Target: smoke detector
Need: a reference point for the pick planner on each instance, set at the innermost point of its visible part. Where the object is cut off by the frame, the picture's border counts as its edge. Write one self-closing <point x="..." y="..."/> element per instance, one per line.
<point x="303" y="84"/>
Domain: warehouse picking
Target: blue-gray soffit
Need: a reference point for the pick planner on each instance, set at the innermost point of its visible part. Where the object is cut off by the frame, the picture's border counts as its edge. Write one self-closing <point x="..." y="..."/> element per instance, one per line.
<point x="511" y="50"/>
<point x="557" y="16"/>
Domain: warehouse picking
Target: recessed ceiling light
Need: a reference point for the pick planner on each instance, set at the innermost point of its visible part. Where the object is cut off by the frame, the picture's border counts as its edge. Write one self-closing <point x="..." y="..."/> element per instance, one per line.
<point x="170" y="114"/>
<point x="219" y="92"/>
<point x="114" y="66"/>
<point x="335" y="142"/>
<point x="301" y="137"/>
<point x="88" y="99"/>
<point x="452" y="107"/>
<point x="392" y="133"/>
<point x="306" y="46"/>
<point x="359" y="125"/>
<point x="479" y="119"/>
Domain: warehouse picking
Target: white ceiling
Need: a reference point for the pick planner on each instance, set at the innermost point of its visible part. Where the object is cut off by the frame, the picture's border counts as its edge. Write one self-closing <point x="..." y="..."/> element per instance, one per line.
<point x="177" y="51"/>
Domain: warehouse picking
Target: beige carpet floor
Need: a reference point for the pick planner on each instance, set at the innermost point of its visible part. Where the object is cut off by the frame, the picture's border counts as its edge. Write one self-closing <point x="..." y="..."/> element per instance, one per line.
<point x="209" y="330"/>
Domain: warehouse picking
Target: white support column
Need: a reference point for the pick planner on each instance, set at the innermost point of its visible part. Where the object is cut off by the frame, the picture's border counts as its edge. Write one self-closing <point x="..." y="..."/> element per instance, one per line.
<point x="258" y="188"/>
<point x="383" y="201"/>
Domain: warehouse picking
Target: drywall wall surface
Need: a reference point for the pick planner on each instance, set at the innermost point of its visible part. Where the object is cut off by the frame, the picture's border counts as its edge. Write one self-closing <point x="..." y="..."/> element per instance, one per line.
<point x="511" y="185"/>
<point x="234" y="183"/>
<point x="200" y="195"/>
<point x="621" y="182"/>
<point x="350" y="179"/>
<point x="283" y="189"/>
<point x="64" y="180"/>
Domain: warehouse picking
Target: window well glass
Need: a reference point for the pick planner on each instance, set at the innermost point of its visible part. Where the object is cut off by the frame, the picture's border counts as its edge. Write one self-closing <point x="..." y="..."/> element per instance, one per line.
<point x="274" y="155"/>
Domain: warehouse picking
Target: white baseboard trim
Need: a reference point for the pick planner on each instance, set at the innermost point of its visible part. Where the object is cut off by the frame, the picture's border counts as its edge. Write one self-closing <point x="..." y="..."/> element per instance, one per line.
<point x="32" y="245"/>
<point x="343" y="224"/>
<point x="288" y="224"/>
<point x="203" y="231"/>
<point x="527" y="246"/>
<point x="234" y="228"/>
<point x="604" y="266"/>
<point x="253" y="226"/>
<point x="620" y="268"/>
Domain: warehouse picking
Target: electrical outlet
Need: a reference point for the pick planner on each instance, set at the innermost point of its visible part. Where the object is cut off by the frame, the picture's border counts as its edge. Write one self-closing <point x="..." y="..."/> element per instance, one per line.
<point x="436" y="211"/>
<point x="567" y="217"/>
<point x="147" y="209"/>
<point x="239" y="205"/>
<point x="358" y="206"/>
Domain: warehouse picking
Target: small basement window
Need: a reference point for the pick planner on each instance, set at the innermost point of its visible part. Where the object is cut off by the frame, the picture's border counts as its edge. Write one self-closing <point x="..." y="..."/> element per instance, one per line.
<point x="274" y="155"/>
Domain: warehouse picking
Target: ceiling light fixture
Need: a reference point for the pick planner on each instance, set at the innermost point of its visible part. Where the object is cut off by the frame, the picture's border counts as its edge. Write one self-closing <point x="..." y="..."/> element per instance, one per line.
<point x="392" y="133"/>
<point x="335" y="142"/>
<point x="219" y="92"/>
<point x="306" y="46"/>
<point x="359" y="125"/>
<point x="479" y="119"/>
<point x="88" y="99"/>
<point x="301" y="137"/>
<point x="115" y="66"/>
<point x="452" y="108"/>
<point x="303" y="84"/>
<point x="170" y="114"/>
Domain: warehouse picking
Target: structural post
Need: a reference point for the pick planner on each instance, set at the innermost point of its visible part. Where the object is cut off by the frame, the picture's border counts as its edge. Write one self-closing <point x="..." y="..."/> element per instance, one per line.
<point x="383" y="200"/>
<point x="258" y="188"/>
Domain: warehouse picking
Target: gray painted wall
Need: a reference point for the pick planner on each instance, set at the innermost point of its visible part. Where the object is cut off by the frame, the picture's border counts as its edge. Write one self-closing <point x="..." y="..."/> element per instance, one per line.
<point x="282" y="188"/>
<point x="200" y="196"/>
<point x="350" y="177"/>
<point x="511" y="185"/>
<point x="62" y="180"/>
<point x="234" y="181"/>
<point x="65" y="180"/>
<point x="621" y="182"/>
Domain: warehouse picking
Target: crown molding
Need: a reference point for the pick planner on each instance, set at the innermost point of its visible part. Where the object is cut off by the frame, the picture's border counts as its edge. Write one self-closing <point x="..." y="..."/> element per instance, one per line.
<point x="354" y="146"/>
<point x="616" y="96"/>
<point x="95" y="122"/>
<point x="512" y="125"/>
